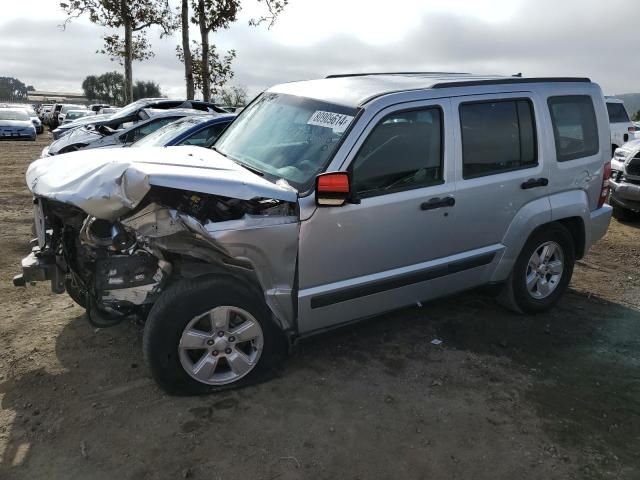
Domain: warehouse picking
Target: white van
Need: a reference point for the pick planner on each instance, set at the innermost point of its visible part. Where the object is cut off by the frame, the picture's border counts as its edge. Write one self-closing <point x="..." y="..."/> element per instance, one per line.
<point x="622" y="129"/>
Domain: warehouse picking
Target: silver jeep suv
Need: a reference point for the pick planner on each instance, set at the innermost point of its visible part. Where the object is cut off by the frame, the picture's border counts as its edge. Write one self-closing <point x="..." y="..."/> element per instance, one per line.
<point x="325" y="202"/>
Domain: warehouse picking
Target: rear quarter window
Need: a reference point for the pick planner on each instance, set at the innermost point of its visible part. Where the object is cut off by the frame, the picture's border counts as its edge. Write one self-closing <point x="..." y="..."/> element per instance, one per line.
<point x="617" y="113"/>
<point x="575" y="128"/>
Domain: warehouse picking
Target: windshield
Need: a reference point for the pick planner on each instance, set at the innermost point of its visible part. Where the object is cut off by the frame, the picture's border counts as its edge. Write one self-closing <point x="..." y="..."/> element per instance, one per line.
<point x="131" y="108"/>
<point x="285" y="136"/>
<point x="66" y="108"/>
<point x="77" y="114"/>
<point x="13" y="115"/>
<point x="160" y="137"/>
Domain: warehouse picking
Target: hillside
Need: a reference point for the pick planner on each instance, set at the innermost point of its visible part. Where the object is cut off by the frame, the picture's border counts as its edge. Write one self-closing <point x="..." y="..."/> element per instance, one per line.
<point x="631" y="102"/>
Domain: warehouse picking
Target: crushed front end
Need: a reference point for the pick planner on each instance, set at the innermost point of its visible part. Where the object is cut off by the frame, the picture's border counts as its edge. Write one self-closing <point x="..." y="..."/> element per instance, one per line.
<point x="133" y="238"/>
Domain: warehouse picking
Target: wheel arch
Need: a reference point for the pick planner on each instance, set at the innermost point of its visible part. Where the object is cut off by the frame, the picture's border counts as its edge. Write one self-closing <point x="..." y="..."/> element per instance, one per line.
<point x="199" y="270"/>
<point x="568" y="209"/>
<point x="576" y="228"/>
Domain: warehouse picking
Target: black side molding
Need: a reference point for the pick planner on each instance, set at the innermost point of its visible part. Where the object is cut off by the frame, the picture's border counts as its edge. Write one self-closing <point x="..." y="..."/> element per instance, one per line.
<point x="326" y="299"/>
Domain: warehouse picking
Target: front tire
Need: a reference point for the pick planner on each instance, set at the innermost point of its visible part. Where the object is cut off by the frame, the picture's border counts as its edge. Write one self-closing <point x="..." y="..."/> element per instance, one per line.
<point x="77" y="293"/>
<point x="542" y="271"/>
<point x="210" y="334"/>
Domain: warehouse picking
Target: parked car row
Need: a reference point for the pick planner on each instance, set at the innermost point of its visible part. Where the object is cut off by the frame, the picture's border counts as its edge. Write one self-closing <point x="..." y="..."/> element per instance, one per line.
<point x="131" y="124"/>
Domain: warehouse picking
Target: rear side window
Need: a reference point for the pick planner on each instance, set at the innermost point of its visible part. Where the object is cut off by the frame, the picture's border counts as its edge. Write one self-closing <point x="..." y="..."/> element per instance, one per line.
<point x="402" y="152"/>
<point x="617" y="113"/>
<point x="497" y="136"/>
<point x="574" y="126"/>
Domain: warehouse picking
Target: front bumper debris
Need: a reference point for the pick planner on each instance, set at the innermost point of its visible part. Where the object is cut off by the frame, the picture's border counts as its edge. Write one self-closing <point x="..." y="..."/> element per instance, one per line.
<point x="38" y="267"/>
<point x="625" y="194"/>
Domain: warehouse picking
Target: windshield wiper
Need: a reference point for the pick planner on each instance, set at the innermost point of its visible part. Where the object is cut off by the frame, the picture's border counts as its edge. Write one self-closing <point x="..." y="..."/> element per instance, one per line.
<point x="213" y="147"/>
<point x="251" y="169"/>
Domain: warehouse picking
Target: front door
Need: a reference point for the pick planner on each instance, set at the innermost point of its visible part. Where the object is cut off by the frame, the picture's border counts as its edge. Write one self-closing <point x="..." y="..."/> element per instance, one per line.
<point x="361" y="259"/>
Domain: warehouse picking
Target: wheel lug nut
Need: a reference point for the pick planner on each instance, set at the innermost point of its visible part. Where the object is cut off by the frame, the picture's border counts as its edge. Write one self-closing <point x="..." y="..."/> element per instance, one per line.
<point x="221" y="333"/>
<point x="227" y="351"/>
<point x="210" y="342"/>
<point x="232" y="339"/>
<point x="214" y="353"/>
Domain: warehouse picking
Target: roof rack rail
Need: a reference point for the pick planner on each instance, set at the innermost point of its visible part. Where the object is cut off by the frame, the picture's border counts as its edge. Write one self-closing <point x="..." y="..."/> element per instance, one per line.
<point x="366" y="74"/>
<point x="503" y="81"/>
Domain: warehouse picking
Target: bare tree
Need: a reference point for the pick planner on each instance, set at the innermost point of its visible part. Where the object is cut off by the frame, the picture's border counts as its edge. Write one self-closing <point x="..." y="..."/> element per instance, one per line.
<point x="134" y="16"/>
<point x="209" y="68"/>
<point x="186" y="49"/>
<point x="233" y="96"/>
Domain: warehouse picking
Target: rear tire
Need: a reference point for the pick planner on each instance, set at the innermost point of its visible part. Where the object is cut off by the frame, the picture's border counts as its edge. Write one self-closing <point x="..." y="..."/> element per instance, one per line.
<point x="535" y="288"/>
<point x="174" y="318"/>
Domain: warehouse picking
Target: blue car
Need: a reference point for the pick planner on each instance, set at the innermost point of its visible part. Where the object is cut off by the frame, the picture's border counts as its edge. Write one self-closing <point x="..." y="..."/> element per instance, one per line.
<point x="197" y="130"/>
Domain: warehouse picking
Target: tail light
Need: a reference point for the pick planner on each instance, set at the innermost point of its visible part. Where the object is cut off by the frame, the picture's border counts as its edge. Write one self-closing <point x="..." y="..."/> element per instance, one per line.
<point x="604" y="191"/>
<point x="633" y="129"/>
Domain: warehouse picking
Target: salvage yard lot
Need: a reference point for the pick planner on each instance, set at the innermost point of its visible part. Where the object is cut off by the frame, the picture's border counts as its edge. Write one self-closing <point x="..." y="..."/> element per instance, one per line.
<point x="553" y="396"/>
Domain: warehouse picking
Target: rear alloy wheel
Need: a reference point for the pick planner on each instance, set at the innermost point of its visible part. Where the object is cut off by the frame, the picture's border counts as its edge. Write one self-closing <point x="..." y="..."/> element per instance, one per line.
<point x="542" y="271"/>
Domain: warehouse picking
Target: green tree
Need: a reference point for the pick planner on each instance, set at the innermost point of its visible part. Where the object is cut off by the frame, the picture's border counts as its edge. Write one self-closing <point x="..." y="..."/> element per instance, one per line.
<point x="13" y="90"/>
<point x="107" y="88"/>
<point x="134" y="17"/>
<point x="146" y="90"/>
<point x="636" y="117"/>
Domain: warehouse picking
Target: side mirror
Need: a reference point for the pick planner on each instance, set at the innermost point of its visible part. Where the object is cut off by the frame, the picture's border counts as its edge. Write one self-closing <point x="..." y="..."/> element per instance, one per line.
<point x="332" y="189"/>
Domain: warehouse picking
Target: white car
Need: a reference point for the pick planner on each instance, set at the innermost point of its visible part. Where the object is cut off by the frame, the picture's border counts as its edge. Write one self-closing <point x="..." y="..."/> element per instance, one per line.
<point x="66" y="108"/>
<point x="622" y="129"/>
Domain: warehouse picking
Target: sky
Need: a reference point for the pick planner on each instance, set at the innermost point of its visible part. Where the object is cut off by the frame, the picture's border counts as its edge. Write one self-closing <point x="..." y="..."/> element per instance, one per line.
<point x="315" y="38"/>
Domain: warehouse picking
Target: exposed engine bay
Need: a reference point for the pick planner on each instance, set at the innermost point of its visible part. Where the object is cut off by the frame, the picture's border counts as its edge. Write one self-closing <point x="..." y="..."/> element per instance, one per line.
<point x="118" y="268"/>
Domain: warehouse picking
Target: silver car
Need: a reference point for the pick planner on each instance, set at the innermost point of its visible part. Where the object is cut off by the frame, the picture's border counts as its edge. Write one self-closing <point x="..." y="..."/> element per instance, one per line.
<point x="625" y="181"/>
<point x="325" y="202"/>
<point x="80" y="122"/>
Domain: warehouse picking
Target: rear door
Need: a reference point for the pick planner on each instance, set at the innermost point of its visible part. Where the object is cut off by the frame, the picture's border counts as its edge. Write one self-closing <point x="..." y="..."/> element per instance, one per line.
<point x="501" y="167"/>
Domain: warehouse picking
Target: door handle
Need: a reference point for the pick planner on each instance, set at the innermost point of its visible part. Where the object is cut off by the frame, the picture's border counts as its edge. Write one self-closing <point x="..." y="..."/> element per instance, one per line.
<point x="534" y="182"/>
<point x="434" y="203"/>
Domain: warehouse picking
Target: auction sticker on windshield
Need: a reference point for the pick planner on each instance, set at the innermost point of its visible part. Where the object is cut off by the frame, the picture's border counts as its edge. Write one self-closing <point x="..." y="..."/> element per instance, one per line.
<point x="336" y="121"/>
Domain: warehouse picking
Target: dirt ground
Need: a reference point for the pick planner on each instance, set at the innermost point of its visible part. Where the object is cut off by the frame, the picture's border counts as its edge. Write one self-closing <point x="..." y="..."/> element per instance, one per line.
<point x="553" y="396"/>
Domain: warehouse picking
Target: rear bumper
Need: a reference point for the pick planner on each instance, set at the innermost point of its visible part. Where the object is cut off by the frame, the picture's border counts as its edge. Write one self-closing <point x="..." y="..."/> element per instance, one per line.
<point x="600" y="220"/>
<point x="26" y="136"/>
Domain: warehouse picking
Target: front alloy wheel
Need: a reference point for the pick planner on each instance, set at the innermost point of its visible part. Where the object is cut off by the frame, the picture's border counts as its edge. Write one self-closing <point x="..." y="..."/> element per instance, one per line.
<point x="221" y="346"/>
<point x="207" y="334"/>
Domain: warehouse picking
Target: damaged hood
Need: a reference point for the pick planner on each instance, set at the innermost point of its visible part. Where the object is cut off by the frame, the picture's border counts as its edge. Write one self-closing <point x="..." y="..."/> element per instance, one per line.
<point x="81" y="136"/>
<point x="108" y="183"/>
